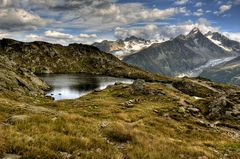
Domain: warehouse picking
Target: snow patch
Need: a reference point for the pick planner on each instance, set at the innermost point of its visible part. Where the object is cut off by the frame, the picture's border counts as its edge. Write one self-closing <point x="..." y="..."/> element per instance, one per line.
<point x="197" y="71"/>
<point x="219" y="43"/>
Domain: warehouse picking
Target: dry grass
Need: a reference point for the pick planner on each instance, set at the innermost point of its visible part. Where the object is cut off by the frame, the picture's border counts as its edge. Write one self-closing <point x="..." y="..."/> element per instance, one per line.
<point x="100" y="126"/>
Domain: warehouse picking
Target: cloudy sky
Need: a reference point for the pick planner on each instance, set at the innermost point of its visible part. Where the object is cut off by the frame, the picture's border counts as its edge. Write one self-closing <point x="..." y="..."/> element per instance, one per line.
<point x="86" y="21"/>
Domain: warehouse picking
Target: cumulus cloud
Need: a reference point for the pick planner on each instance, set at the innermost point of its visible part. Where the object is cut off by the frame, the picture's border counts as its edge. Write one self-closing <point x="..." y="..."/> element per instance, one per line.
<point x="223" y="8"/>
<point x="61" y="38"/>
<point x="60" y="35"/>
<point x="181" y="2"/>
<point x="4" y="35"/>
<point x="145" y="32"/>
<point x="198" y="13"/>
<point x="14" y="19"/>
<point x="57" y="35"/>
<point x="232" y="36"/>
<point x="33" y="37"/>
<point x="165" y="31"/>
<point x="199" y="4"/>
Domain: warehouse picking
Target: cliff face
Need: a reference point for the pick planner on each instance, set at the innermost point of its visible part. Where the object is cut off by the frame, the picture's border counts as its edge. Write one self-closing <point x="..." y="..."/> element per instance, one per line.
<point x="17" y="79"/>
<point x="42" y="57"/>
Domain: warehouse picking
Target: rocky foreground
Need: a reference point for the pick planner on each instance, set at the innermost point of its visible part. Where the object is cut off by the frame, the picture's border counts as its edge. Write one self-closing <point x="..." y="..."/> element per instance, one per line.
<point x="162" y="118"/>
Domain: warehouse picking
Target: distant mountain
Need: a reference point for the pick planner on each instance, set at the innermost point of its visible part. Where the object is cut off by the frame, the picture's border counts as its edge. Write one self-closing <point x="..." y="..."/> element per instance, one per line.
<point x="179" y="55"/>
<point x="224" y="42"/>
<point x="228" y="72"/>
<point x="122" y="48"/>
<point x="42" y="57"/>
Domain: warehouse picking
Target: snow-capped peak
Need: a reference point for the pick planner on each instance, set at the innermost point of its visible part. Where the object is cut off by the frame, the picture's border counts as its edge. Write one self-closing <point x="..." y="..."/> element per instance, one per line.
<point x="194" y="31"/>
<point x="209" y="35"/>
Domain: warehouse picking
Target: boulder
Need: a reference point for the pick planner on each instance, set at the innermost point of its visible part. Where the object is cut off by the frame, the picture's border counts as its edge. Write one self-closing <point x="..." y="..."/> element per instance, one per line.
<point x="139" y="85"/>
<point x="219" y="107"/>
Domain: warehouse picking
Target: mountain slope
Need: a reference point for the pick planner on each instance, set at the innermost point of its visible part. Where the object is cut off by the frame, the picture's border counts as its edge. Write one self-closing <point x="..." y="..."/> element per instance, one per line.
<point x="42" y="57"/>
<point x="122" y="48"/>
<point x="223" y="42"/>
<point x="228" y="72"/>
<point x="179" y="55"/>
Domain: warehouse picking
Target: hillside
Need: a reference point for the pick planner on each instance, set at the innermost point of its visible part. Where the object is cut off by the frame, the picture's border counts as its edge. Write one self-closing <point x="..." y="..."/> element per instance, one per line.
<point x="189" y="118"/>
<point x="42" y="57"/>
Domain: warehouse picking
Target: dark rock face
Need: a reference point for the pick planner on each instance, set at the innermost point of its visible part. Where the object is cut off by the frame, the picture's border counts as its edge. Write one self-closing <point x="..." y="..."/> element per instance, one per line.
<point x="225" y="42"/>
<point x="179" y="55"/>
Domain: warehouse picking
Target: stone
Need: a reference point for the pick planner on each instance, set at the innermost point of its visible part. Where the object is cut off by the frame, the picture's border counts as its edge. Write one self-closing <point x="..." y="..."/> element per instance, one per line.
<point x="131" y="102"/>
<point x="65" y="155"/>
<point x="97" y="90"/>
<point x="194" y="110"/>
<point x="17" y="118"/>
<point x="181" y="110"/>
<point x="218" y="108"/>
<point x="118" y="83"/>
<point x="11" y="156"/>
<point x="139" y="85"/>
<point x="104" y="124"/>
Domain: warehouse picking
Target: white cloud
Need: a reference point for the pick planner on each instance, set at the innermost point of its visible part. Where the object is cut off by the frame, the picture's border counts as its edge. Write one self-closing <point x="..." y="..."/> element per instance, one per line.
<point x="233" y="36"/>
<point x="198" y="13"/>
<point x="111" y="15"/>
<point x="33" y="37"/>
<point x="180" y="2"/>
<point x="146" y="32"/>
<point x="13" y="19"/>
<point x="87" y="36"/>
<point x="224" y="8"/>
<point x="165" y="31"/>
<point x="57" y="35"/>
<point x="60" y="35"/>
<point x="4" y="35"/>
<point x="199" y="4"/>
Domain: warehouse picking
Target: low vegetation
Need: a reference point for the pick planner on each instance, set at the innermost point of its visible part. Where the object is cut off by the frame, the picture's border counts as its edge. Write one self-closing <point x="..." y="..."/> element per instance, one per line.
<point x="143" y="120"/>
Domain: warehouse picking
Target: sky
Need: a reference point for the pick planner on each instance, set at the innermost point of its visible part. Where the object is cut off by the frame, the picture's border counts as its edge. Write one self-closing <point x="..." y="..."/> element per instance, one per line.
<point x="88" y="21"/>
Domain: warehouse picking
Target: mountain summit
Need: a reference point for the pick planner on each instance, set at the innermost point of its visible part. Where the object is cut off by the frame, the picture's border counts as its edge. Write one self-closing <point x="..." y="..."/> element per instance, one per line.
<point x="180" y="55"/>
<point x="122" y="48"/>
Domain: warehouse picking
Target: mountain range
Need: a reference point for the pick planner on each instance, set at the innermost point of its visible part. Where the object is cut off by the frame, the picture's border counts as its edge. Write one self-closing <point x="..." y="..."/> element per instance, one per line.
<point x="126" y="47"/>
<point x="187" y="55"/>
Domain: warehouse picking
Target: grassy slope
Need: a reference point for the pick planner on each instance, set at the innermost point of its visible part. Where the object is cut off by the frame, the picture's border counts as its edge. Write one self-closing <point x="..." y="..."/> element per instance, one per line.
<point x="102" y="125"/>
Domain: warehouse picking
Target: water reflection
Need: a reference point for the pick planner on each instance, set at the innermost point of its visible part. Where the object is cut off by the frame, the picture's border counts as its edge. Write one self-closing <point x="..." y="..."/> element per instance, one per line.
<point x="71" y="86"/>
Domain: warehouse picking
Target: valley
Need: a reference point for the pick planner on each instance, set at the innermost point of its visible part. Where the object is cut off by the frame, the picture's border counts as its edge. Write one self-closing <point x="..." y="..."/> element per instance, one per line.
<point x="119" y="79"/>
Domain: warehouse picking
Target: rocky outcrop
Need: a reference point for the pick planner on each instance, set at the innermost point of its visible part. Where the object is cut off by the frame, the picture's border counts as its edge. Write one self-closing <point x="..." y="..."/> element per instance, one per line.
<point x="17" y="79"/>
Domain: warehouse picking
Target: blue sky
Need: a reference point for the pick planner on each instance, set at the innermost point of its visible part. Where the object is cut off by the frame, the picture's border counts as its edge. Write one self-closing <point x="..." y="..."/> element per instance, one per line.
<point x="87" y="21"/>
